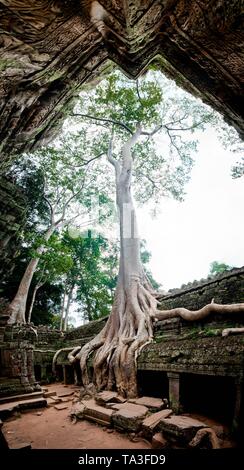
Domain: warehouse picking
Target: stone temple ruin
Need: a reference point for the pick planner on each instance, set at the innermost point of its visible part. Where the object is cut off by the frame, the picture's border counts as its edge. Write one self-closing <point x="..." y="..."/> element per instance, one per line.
<point x="48" y="50"/>
<point x="189" y="369"/>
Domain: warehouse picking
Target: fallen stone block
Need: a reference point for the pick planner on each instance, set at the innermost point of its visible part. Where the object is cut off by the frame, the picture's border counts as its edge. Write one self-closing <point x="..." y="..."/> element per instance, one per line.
<point x="181" y="427"/>
<point x="49" y="394"/>
<point x="60" y="407"/>
<point x="151" y="423"/>
<point x="97" y="413"/>
<point x="65" y="393"/>
<point x="105" y="397"/>
<point x="153" y="404"/>
<point x="55" y="399"/>
<point x="158" y="441"/>
<point x="66" y="399"/>
<point x="77" y="411"/>
<point x="129" y="416"/>
<point x="50" y="402"/>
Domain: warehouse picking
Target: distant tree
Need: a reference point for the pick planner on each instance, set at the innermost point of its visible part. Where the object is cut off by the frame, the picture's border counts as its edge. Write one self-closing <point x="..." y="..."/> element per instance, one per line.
<point x="230" y="140"/>
<point x="68" y="178"/>
<point x="92" y="279"/>
<point x="48" y="298"/>
<point x="54" y="263"/>
<point x="216" y="267"/>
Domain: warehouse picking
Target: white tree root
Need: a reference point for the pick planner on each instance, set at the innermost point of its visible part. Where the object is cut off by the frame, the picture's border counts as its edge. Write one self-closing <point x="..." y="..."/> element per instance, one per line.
<point x="205" y="434"/>
<point x="71" y="356"/>
<point x="232" y="331"/>
<point x="193" y="315"/>
<point x="128" y="330"/>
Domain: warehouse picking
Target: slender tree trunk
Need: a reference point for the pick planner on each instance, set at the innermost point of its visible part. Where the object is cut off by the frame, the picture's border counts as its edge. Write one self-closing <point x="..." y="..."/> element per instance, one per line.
<point x="17" y="307"/>
<point x="62" y="311"/>
<point x="37" y="287"/>
<point x="67" y="308"/>
<point x="129" y="326"/>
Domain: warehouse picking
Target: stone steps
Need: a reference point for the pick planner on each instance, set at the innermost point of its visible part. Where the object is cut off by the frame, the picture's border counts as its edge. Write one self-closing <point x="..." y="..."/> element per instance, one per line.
<point x="7" y="409"/>
<point x="21" y="397"/>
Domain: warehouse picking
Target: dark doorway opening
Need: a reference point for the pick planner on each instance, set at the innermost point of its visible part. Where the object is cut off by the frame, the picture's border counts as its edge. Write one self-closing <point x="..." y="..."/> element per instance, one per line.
<point x="38" y="373"/>
<point x="209" y="395"/>
<point x="153" y="383"/>
<point x="59" y="373"/>
<point x="69" y="375"/>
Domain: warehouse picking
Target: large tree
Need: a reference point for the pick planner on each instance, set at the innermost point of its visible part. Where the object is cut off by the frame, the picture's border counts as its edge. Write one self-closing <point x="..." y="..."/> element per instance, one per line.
<point x="69" y="179"/>
<point x="146" y="134"/>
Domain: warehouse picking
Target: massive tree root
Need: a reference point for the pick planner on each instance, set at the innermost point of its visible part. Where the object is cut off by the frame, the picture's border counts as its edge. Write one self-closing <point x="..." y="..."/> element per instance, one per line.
<point x="128" y="329"/>
<point x="193" y="315"/>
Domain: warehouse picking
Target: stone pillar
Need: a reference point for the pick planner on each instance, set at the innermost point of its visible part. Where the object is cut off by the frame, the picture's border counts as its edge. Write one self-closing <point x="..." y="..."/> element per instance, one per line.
<point x="30" y="366"/>
<point x="236" y="422"/>
<point x="65" y="375"/>
<point x="174" y="391"/>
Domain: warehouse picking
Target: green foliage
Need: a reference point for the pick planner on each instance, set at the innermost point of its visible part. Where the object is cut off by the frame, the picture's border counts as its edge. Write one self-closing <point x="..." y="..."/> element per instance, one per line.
<point x="163" y="161"/>
<point x="231" y="141"/>
<point x="217" y="268"/>
<point x="94" y="273"/>
<point x="55" y="261"/>
<point x="238" y="169"/>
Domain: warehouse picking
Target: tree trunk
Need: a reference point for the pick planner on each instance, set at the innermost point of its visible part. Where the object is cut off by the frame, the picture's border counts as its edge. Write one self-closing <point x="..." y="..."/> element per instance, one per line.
<point x="129" y="326"/>
<point x="37" y="287"/>
<point x="67" y="308"/>
<point x="17" y="307"/>
<point x="62" y="312"/>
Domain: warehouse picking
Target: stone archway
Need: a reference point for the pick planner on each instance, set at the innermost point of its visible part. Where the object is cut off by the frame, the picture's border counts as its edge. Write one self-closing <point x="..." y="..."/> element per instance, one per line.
<point x="50" y="48"/>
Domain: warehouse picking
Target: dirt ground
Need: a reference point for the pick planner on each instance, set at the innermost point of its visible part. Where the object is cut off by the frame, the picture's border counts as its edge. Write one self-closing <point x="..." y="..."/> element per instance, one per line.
<point x="48" y="428"/>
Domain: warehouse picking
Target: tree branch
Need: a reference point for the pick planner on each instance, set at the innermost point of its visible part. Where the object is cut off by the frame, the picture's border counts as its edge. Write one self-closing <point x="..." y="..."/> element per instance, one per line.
<point x="150" y="134"/>
<point x="138" y="92"/>
<point x="112" y="160"/>
<point x="111" y="121"/>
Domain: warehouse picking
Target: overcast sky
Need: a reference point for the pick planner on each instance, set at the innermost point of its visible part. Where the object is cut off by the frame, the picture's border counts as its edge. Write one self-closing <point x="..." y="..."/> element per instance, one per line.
<point x="209" y="225"/>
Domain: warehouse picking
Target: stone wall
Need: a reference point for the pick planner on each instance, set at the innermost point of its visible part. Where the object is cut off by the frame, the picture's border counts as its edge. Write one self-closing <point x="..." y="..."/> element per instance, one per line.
<point x="224" y="288"/>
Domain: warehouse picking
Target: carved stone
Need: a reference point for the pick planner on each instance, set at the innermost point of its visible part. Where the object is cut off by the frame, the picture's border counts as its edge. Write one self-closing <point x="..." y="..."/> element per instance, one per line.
<point x="50" y="48"/>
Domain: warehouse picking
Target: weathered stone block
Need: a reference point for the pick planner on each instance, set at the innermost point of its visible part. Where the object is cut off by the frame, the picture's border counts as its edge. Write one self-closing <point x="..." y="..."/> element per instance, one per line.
<point x="129" y="416"/>
<point x="153" y="404"/>
<point x="102" y="398"/>
<point x="97" y="413"/>
<point x="181" y="427"/>
<point x="61" y="406"/>
<point x="151" y="423"/>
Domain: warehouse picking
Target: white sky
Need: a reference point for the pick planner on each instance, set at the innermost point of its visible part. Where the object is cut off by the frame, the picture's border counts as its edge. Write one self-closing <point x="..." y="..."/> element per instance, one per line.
<point x="209" y="225"/>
